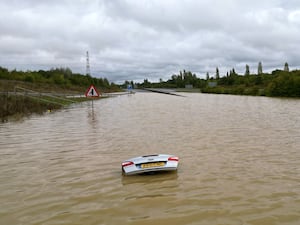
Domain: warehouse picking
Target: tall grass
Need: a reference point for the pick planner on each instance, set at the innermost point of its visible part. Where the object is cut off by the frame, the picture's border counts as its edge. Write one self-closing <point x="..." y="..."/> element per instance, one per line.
<point x="19" y="106"/>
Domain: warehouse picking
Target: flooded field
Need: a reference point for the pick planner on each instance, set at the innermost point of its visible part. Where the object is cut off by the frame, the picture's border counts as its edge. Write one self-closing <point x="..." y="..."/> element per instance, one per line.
<point x="239" y="162"/>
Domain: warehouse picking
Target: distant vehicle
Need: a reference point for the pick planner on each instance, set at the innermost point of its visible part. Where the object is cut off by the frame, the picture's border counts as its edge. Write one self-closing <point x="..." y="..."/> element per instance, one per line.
<point x="150" y="163"/>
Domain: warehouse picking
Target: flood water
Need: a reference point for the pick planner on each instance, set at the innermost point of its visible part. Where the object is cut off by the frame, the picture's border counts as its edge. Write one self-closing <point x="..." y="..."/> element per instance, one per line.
<point x="239" y="162"/>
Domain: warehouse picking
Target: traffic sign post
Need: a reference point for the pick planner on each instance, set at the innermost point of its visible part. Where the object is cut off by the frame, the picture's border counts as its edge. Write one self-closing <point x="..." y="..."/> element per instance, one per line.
<point x="92" y="92"/>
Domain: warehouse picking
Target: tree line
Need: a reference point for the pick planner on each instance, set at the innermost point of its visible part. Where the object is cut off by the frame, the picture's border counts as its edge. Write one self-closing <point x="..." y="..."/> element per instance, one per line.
<point x="278" y="83"/>
<point x="63" y="77"/>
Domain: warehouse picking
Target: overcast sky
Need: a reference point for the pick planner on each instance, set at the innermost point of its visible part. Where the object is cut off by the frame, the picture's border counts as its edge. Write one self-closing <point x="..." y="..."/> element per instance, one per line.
<point x="153" y="39"/>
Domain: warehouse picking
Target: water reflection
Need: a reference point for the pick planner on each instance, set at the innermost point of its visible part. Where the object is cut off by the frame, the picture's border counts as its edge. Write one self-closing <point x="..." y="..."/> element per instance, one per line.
<point x="91" y="112"/>
<point x="146" y="178"/>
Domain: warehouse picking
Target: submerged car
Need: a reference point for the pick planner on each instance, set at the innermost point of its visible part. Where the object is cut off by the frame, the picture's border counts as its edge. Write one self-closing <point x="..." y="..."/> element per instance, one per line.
<point x="150" y="163"/>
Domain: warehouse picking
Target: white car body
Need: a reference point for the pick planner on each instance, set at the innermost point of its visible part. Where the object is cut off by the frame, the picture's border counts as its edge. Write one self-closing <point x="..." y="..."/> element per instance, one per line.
<point x="150" y="163"/>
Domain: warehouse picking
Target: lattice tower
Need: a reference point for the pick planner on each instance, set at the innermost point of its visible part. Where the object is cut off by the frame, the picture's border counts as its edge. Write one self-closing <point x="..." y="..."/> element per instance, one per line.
<point x="88" y="70"/>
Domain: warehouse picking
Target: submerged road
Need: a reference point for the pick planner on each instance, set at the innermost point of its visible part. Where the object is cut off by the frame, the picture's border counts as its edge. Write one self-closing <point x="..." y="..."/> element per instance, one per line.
<point x="163" y="91"/>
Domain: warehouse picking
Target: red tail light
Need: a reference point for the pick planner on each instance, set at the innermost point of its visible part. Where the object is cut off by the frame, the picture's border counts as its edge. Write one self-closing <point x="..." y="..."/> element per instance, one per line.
<point x="127" y="164"/>
<point x="173" y="158"/>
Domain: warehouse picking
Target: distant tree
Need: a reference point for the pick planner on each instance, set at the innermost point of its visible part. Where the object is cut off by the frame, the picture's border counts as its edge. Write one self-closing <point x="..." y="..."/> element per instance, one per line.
<point x="4" y="73"/>
<point x="217" y="74"/>
<point x="67" y="72"/>
<point x="259" y="69"/>
<point x="104" y="82"/>
<point x="286" y="67"/>
<point x="207" y="75"/>
<point x="146" y="83"/>
<point x="247" y="72"/>
<point x="232" y="72"/>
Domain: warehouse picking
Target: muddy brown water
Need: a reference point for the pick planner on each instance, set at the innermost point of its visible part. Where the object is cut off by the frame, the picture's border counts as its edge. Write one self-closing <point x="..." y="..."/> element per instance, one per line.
<point x="239" y="162"/>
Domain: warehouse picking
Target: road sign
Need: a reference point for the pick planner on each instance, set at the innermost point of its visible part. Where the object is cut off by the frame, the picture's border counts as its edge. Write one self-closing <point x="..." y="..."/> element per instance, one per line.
<point x="92" y="92"/>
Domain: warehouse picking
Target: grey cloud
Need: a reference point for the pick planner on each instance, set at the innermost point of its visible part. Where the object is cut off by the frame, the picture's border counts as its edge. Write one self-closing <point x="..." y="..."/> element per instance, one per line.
<point x="138" y="39"/>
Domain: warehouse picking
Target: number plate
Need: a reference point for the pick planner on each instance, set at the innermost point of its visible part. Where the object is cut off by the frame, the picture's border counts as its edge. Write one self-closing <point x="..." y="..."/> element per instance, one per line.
<point x="150" y="165"/>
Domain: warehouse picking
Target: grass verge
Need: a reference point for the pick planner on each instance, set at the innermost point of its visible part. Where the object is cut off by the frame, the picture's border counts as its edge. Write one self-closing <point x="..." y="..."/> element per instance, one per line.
<point x="15" y="107"/>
